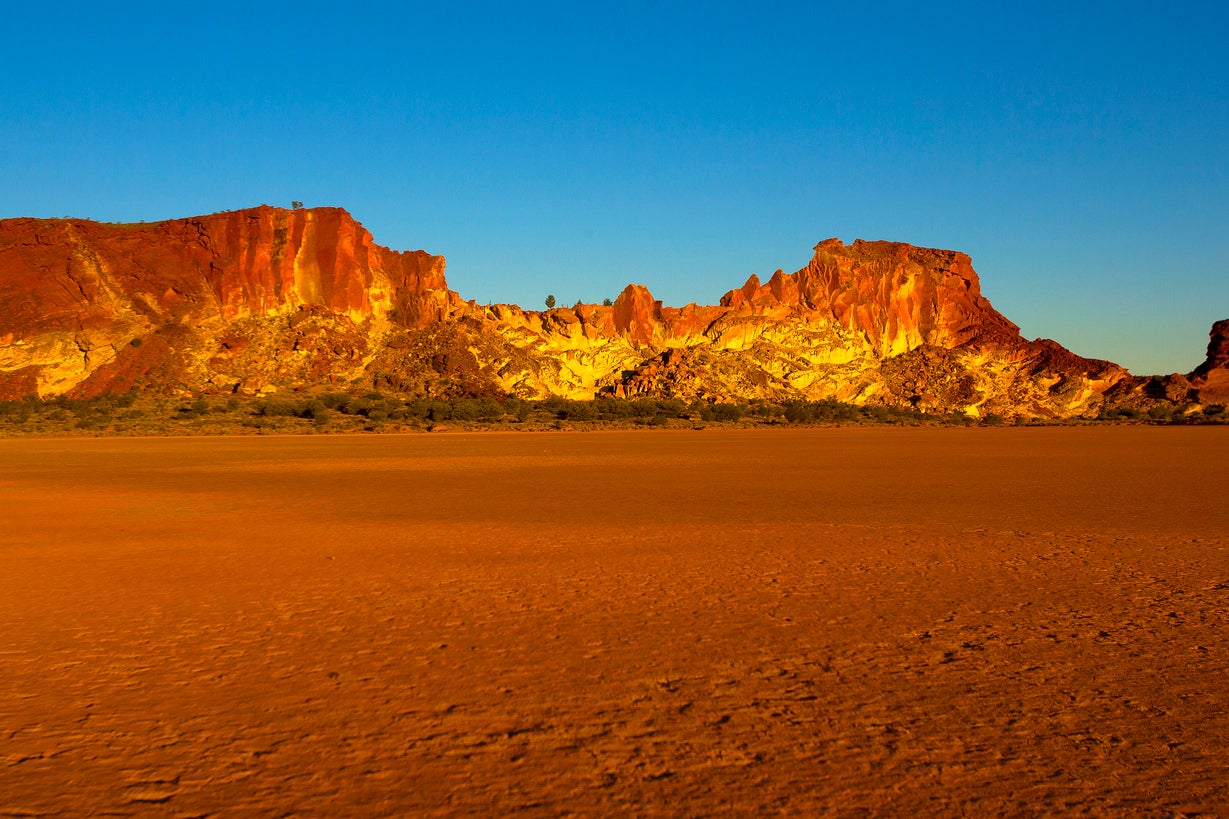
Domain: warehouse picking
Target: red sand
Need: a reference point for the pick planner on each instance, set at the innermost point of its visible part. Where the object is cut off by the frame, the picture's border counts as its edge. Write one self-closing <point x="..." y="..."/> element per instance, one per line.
<point x="988" y="621"/>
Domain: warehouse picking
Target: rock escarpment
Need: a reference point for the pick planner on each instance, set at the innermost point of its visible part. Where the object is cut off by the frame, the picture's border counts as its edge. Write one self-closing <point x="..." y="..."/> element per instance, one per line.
<point x="1211" y="378"/>
<point x="90" y="307"/>
<point x="266" y="299"/>
<point x="872" y="322"/>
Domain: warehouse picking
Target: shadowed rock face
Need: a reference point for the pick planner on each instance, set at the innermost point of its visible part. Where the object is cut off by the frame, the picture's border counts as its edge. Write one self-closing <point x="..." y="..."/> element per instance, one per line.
<point x="1211" y="378"/>
<point x="265" y="298"/>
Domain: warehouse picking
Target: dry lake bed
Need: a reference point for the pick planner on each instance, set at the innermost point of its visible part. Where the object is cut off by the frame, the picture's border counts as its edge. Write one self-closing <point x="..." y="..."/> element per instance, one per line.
<point x="844" y="621"/>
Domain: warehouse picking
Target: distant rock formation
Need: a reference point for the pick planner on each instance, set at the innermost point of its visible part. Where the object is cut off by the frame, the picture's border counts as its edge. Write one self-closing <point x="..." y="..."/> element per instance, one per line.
<point x="1211" y="378"/>
<point x="80" y="299"/>
<point x="873" y="322"/>
<point x="266" y="299"/>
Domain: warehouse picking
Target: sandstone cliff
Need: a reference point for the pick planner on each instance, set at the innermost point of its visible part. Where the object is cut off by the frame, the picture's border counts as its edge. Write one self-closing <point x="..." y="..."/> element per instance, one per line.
<point x="1211" y="378"/>
<point x="872" y="322"/>
<point x="265" y="299"/>
<point x="89" y="307"/>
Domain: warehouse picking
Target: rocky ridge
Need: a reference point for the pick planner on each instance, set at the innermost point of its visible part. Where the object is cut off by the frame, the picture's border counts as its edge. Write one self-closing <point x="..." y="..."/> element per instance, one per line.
<point x="267" y="299"/>
<point x="1209" y="382"/>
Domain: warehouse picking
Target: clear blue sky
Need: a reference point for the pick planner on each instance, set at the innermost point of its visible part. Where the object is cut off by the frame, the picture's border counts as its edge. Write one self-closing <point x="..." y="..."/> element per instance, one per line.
<point x="1079" y="152"/>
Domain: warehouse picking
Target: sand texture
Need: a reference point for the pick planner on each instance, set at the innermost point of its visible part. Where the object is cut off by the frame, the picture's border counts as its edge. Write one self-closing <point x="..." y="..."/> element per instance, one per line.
<point x="861" y="621"/>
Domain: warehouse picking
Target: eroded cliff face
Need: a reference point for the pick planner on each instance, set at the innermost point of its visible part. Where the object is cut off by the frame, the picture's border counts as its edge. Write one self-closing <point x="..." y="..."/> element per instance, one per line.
<point x="267" y="299"/>
<point x="872" y="322"/>
<point x="1210" y="379"/>
<point x="90" y="307"/>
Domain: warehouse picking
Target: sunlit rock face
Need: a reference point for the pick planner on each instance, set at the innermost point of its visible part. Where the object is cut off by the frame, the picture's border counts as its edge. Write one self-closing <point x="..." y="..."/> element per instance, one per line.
<point x="268" y="299"/>
<point x="872" y="322"/>
<point x="898" y="297"/>
<point x="88" y="307"/>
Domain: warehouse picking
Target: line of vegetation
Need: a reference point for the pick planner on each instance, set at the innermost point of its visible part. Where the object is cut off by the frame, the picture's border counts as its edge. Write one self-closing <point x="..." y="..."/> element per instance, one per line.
<point x="134" y="414"/>
<point x="1161" y="414"/>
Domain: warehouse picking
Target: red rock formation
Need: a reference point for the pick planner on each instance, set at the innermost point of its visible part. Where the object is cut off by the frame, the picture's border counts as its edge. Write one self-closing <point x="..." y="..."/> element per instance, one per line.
<point x="899" y="296"/>
<point x="1218" y="350"/>
<point x="266" y="298"/>
<point x="1211" y="378"/>
<point x="637" y="314"/>
<point x="880" y="322"/>
<point x="75" y="294"/>
<point x="57" y="274"/>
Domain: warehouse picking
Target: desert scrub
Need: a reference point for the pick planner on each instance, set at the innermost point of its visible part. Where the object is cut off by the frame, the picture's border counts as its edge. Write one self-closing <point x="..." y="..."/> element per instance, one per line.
<point x="351" y="411"/>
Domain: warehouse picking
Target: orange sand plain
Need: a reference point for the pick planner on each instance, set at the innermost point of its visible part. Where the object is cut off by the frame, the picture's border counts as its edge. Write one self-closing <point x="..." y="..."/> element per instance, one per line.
<point x="943" y="621"/>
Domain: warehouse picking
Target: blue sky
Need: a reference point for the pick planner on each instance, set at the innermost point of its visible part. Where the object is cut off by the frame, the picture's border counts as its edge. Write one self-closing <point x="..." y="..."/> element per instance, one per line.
<point x="1078" y="152"/>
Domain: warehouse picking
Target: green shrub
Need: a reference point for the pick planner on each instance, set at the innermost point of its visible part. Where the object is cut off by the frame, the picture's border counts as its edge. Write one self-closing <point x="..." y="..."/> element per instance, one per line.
<point x="277" y="407"/>
<point x="729" y="412"/>
<point x="555" y="404"/>
<point x="15" y="412"/>
<point x="878" y="414"/>
<point x="464" y="409"/>
<point x="334" y="400"/>
<point x="418" y="409"/>
<point x="672" y="407"/>
<point x="315" y="410"/>
<point x="1160" y="413"/>
<point x="613" y="408"/>
<point x="797" y="412"/>
<point x="1120" y="414"/>
<point x="644" y="407"/>
<point x="759" y="409"/>
<point x="489" y="409"/>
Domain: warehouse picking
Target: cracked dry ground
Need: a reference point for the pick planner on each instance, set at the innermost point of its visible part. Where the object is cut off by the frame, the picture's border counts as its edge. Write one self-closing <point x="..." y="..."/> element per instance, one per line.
<point x="844" y="621"/>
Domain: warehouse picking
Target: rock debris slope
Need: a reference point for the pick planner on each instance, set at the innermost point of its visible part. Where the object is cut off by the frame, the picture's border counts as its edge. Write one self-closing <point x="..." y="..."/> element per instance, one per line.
<point x="267" y="299"/>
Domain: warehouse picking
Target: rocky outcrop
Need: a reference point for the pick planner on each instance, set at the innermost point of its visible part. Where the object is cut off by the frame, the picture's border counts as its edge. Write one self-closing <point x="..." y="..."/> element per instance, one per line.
<point x="265" y="299"/>
<point x="1210" y="379"/>
<point x="872" y="322"/>
<point x="79" y="300"/>
<point x="899" y="297"/>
